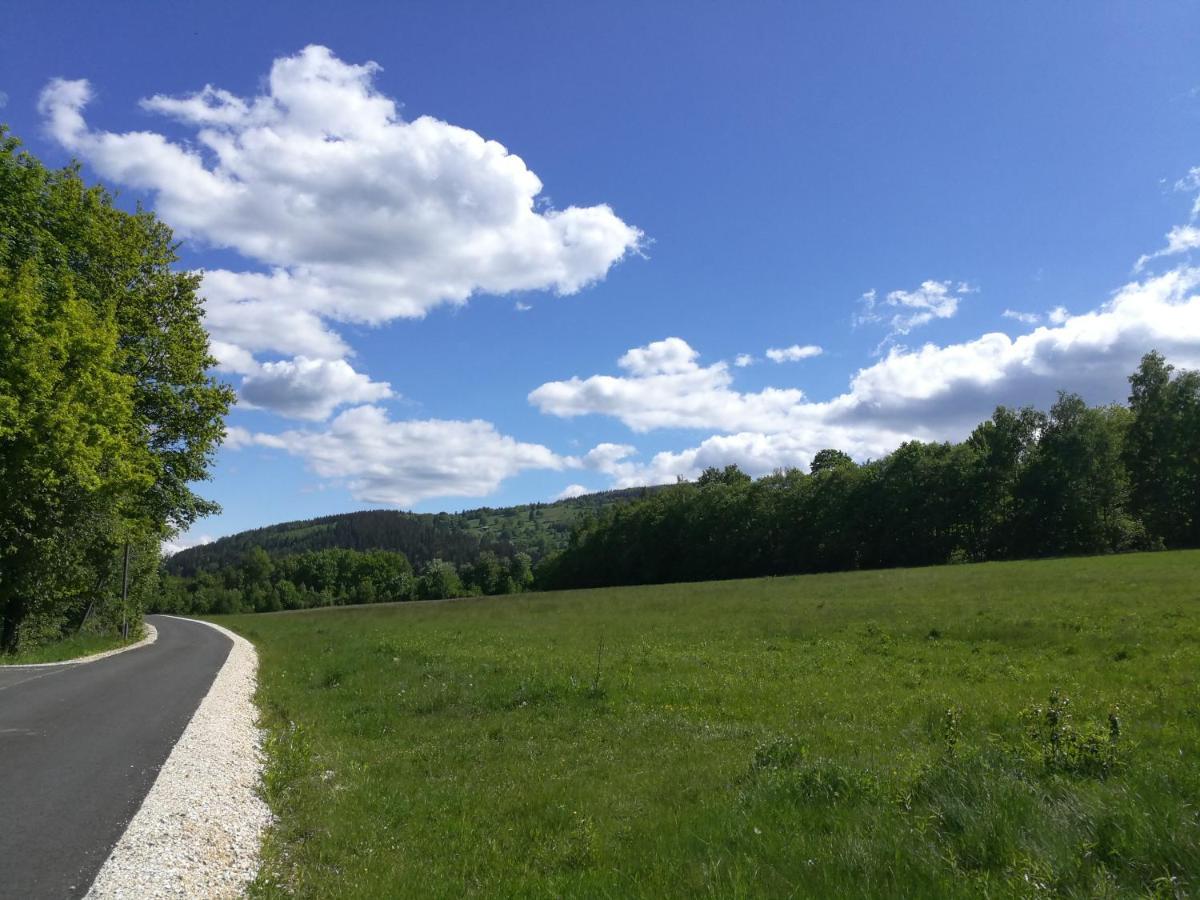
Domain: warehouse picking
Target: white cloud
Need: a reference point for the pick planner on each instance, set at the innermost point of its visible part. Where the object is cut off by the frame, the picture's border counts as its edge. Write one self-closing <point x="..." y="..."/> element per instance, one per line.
<point x="275" y="312"/>
<point x="744" y="359"/>
<point x="233" y="359"/>
<point x="183" y="542"/>
<point x="1180" y="239"/>
<point x="3" y="99"/>
<point x="672" y="356"/>
<point x="932" y="300"/>
<point x="401" y="462"/>
<point x="666" y="388"/>
<point x="794" y="353"/>
<point x="1058" y="316"/>
<point x="237" y="437"/>
<point x="522" y="307"/>
<point x="359" y="215"/>
<point x="1022" y="317"/>
<point x="1191" y="183"/>
<point x="572" y="490"/>
<point x="306" y="388"/>
<point x="932" y="393"/>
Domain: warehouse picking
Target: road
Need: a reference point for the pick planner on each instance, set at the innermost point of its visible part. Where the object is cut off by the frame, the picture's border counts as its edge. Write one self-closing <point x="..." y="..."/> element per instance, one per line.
<point x="80" y="747"/>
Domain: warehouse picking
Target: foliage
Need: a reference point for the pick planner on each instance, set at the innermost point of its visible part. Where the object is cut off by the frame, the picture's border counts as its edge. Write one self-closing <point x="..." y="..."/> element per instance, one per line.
<point x="1052" y="735"/>
<point x="1076" y="480"/>
<point x="1162" y="452"/>
<point x="798" y="736"/>
<point x="462" y="538"/>
<point x="261" y="582"/>
<point x="107" y="411"/>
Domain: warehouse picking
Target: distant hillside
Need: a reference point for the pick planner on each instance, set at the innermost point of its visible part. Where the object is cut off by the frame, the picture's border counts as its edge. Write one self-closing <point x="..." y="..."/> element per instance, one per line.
<point x="535" y="528"/>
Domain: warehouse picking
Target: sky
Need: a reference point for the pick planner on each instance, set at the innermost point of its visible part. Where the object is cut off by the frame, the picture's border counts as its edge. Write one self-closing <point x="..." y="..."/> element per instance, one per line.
<point x="466" y="254"/>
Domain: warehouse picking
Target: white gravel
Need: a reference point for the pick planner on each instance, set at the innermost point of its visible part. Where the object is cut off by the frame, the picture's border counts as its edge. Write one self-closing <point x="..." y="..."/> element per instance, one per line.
<point x="198" y="831"/>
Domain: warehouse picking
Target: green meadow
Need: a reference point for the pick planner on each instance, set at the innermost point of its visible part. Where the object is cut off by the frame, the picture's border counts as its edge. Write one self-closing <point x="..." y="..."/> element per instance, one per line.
<point x="1001" y="730"/>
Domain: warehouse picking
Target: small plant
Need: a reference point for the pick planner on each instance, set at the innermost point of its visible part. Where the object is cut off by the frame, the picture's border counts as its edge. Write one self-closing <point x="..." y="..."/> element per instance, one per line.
<point x="958" y="557"/>
<point x="1093" y="751"/>
<point x="781" y="753"/>
<point x="595" y="690"/>
<point x="951" y="730"/>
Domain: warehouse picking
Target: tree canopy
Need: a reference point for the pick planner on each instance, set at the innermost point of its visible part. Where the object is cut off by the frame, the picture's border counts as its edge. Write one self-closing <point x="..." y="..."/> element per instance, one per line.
<point x="1025" y="483"/>
<point x="108" y="411"/>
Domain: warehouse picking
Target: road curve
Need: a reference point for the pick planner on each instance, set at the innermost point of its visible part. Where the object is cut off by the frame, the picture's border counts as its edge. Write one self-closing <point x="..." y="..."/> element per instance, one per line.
<point x="80" y="746"/>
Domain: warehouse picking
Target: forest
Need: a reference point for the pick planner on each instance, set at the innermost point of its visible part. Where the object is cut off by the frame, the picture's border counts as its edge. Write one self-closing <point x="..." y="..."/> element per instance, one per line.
<point x="108" y="411"/>
<point x="260" y="582"/>
<point x="1076" y="480"/>
<point x="537" y="529"/>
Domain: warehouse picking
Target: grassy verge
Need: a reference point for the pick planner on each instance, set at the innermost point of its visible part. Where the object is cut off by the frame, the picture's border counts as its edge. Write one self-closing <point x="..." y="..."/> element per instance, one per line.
<point x="872" y="734"/>
<point x="69" y="648"/>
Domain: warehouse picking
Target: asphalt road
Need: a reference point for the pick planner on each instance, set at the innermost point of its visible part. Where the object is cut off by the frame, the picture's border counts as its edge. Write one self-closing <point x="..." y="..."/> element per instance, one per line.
<point x="80" y="747"/>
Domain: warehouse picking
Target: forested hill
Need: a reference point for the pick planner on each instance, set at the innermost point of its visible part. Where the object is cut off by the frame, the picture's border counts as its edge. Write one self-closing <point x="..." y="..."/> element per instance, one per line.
<point x="536" y="529"/>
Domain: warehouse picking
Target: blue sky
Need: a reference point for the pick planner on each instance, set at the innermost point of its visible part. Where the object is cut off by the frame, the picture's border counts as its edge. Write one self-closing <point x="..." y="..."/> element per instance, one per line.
<point x="716" y="180"/>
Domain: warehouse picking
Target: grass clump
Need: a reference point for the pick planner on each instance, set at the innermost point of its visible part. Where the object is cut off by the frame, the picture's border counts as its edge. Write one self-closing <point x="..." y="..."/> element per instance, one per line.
<point x="793" y="737"/>
<point x="84" y="643"/>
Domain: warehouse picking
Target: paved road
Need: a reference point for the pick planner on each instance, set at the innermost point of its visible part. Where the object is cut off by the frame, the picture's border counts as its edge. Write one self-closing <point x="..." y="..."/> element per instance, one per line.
<point x="81" y="745"/>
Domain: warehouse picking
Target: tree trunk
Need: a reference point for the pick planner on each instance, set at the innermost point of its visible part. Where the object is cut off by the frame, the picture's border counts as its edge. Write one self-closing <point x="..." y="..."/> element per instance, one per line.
<point x="10" y="631"/>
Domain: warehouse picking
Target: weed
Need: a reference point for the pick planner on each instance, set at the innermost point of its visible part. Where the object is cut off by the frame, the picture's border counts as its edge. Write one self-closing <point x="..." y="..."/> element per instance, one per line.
<point x="1092" y="752"/>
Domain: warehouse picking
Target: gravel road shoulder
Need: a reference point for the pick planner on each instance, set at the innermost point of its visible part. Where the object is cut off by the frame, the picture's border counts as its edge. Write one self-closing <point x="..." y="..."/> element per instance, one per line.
<point x="198" y="832"/>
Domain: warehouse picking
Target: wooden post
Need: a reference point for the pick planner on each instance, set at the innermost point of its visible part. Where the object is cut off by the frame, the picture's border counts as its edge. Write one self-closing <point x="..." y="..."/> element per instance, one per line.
<point x="125" y="597"/>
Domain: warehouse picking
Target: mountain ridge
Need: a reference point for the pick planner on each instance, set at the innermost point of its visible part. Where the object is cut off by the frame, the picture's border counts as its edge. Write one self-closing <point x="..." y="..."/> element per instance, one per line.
<point x="537" y="529"/>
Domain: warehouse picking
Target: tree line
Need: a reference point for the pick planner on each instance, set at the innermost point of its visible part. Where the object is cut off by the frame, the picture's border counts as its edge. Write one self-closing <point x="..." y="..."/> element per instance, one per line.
<point x="536" y="529"/>
<point x="262" y="582"/>
<point x="108" y="413"/>
<point x="1025" y="483"/>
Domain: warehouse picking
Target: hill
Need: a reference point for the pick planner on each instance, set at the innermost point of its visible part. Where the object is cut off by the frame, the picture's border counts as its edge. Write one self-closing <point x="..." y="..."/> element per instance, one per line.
<point x="533" y="528"/>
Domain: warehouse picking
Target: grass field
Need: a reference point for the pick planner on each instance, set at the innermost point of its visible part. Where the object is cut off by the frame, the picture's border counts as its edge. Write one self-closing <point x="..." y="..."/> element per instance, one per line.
<point x="877" y="734"/>
<point x="69" y="648"/>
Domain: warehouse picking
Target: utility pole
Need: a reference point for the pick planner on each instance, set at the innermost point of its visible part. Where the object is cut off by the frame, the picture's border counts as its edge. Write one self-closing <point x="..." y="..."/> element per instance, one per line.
<point x="125" y="597"/>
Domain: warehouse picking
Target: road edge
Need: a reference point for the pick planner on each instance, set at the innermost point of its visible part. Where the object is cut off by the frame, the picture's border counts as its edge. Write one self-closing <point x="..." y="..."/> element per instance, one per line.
<point x="199" y="829"/>
<point x="150" y="638"/>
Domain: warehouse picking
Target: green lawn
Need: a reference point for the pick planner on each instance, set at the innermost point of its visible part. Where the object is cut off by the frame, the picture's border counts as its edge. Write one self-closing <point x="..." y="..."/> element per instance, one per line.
<point x="858" y="734"/>
<point x="68" y="648"/>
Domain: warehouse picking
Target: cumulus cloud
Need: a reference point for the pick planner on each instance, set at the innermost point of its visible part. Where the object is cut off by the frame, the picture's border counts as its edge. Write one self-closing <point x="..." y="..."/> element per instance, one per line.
<point x="664" y="387"/>
<point x="402" y="462"/>
<point x="757" y="454"/>
<point x="306" y="388"/>
<point x="343" y="210"/>
<point x="794" y="353"/>
<point x="744" y="359"/>
<point x="237" y="437"/>
<point x="904" y="311"/>
<point x="931" y="393"/>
